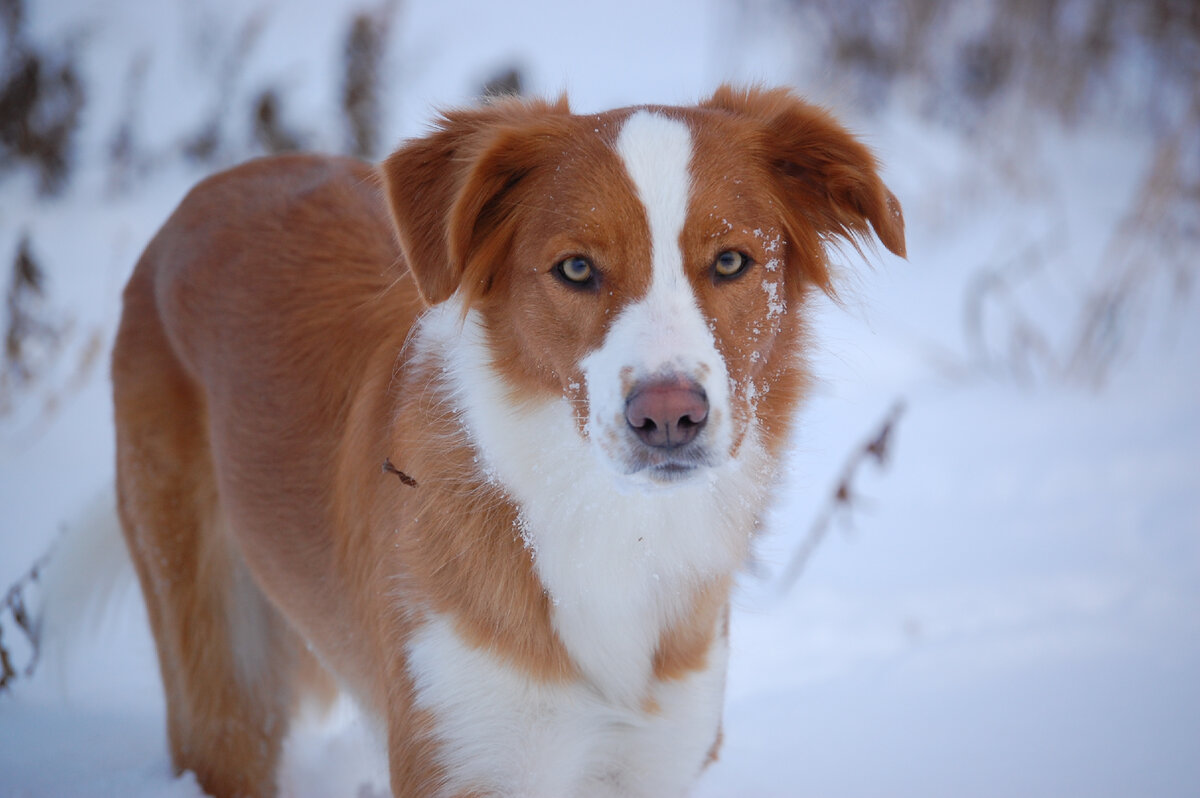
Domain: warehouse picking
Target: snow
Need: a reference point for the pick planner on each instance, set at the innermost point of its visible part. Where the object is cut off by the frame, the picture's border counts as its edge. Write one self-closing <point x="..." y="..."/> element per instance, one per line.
<point x="1011" y="607"/>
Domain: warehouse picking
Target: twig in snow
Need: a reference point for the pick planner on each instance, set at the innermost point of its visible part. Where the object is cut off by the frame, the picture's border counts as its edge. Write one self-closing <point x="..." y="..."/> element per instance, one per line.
<point x="877" y="448"/>
<point x="14" y="603"/>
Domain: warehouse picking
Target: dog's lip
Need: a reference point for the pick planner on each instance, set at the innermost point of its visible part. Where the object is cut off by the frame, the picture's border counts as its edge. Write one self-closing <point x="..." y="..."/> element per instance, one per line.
<point x="670" y="471"/>
<point x="670" y="467"/>
<point x="674" y="467"/>
<point x="662" y="475"/>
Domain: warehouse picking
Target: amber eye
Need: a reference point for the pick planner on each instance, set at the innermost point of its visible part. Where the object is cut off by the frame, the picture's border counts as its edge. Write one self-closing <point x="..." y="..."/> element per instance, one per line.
<point x="730" y="262"/>
<point x="575" y="269"/>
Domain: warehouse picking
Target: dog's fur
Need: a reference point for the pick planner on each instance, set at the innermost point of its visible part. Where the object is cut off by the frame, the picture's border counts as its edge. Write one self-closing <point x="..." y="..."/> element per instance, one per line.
<point x="540" y="605"/>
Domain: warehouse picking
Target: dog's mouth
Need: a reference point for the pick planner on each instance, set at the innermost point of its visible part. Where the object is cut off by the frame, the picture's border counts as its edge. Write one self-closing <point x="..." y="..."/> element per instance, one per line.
<point x="666" y="468"/>
<point x="670" y="473"/>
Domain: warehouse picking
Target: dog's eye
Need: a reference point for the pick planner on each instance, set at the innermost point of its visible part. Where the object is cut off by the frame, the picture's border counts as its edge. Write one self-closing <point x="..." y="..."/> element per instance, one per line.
<point x="730" y="262"/>
<point x="575" y="269"/>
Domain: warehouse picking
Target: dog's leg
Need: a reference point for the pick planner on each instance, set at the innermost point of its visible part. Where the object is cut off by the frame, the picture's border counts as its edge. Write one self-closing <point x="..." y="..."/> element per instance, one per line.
<point x="227" y="657"/>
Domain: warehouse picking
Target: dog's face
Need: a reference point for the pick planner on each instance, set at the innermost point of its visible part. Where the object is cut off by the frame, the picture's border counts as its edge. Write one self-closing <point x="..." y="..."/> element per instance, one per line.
<point x="647" y="266"/>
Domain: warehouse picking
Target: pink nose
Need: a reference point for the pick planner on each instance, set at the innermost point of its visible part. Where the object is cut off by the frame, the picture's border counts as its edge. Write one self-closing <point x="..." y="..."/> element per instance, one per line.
<point x="667" y="412"/>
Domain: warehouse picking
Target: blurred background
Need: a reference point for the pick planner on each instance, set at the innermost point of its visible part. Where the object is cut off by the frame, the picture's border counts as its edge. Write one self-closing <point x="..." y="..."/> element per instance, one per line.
<point x="982" y="577"/>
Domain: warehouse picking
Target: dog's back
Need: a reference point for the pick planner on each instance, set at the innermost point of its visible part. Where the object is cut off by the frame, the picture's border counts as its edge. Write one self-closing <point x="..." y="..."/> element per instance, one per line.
<point x="241" y="321"/>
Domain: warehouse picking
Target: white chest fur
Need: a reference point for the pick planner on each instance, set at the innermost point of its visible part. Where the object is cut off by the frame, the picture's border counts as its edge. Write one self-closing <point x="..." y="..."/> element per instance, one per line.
<point x="620" y="563"/>
<point x="505" y="735"/>
<point x="622" y="560"/>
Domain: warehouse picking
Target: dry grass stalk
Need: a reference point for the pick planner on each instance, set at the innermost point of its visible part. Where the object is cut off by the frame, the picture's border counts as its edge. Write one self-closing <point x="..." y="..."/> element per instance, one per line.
<point x="843" y="499"/>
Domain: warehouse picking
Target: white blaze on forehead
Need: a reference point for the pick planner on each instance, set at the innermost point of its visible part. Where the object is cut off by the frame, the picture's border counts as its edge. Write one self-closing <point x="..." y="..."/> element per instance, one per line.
<point x="656" y="151"/>
<point x="664" y="331"/>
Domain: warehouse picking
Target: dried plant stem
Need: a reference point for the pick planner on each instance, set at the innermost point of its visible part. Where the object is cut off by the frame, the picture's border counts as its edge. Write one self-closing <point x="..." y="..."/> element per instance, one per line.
<point x="876" y="448"/>
<point x="14" y="604"/>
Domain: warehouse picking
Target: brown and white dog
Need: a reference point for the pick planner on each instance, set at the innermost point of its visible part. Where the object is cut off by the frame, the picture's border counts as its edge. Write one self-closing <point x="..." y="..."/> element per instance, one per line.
<point x="495" y="478"/>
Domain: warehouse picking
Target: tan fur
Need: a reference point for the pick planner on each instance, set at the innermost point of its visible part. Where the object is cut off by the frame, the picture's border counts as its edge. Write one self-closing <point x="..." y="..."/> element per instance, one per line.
<point x="261" y="380"/>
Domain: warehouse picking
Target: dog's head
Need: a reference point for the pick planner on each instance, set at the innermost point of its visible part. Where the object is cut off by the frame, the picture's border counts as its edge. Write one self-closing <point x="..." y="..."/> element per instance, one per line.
<point x="648" y="266"/>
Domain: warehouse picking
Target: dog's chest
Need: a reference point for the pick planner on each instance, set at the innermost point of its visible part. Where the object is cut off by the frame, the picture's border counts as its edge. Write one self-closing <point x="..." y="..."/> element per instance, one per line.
<point x="621" y="567"/>
<point x="623" y="571"/>
<point x="502" y="732"/>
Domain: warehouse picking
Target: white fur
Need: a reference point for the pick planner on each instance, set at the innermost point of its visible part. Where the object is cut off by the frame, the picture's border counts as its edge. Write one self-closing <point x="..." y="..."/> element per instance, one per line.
<point x="88" y="570"/>
<point x="617" y="562"/>
<point x="248" y="616"/>
<point x="664" y="332"/>
<point x="620" y="556"/>
<point x="509" y="736"/>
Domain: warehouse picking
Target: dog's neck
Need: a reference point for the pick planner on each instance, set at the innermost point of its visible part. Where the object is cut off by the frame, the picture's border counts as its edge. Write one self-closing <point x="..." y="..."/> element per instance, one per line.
<point x="637" y="579"/>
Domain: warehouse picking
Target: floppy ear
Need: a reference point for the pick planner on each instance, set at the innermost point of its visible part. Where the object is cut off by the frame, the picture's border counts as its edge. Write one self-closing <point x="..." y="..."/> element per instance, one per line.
<point x="445" y="192"/>
<point x="828" y="181"/>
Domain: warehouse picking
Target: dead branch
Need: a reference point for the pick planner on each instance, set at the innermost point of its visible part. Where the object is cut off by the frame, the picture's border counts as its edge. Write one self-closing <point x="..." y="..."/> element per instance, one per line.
<point x="29" y="625"/>
<point x="1155" y="241"/>
<point x="363" y="55"/>
<point x="31" y="338"/>
<point x="876" y="448"/>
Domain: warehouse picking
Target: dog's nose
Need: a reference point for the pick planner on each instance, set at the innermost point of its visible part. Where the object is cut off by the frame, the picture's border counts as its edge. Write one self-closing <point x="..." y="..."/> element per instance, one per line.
<point x="667" y="412"/>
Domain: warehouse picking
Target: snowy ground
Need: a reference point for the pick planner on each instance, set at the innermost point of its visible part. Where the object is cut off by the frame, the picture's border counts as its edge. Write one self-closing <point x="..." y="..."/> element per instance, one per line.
<point x="1014" y="609"/>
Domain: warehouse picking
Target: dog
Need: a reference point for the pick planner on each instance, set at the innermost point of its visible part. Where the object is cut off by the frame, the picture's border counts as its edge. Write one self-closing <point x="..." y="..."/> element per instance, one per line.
<point x="481" y="435"/>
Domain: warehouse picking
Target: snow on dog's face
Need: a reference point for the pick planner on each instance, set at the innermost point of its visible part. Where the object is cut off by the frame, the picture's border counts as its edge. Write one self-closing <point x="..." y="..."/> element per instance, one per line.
<point x="646" y="266"/>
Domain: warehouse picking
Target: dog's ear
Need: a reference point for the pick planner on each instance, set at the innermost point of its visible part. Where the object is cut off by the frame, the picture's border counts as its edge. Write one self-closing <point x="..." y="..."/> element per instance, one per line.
<point x="827" y="180"/>
<point x="446" y="192"/>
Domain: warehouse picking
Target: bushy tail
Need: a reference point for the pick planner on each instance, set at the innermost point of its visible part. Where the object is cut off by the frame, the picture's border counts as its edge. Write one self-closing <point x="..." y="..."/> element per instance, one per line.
<point x="88" y="569"/>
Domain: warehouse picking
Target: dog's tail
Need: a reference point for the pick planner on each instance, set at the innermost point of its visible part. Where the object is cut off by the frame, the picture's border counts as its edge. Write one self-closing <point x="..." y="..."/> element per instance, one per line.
<point x="86" y="571"/>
